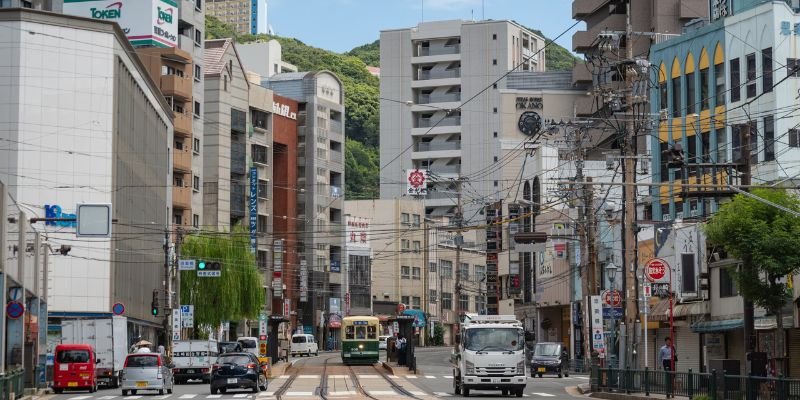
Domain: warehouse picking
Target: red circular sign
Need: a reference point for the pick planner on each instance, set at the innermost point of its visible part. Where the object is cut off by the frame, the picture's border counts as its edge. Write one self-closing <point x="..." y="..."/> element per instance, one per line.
<point x="656" y="269"/>
<point x="612" y="297"/>
<point x="14" y="309"/>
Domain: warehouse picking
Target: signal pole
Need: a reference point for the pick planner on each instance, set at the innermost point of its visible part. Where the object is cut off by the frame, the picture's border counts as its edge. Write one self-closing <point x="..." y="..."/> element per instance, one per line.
<point x="458" y="241"/>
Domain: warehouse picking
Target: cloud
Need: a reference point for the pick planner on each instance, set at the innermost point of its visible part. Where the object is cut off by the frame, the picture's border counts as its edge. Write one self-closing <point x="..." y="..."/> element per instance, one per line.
<point x="450" y="4"/>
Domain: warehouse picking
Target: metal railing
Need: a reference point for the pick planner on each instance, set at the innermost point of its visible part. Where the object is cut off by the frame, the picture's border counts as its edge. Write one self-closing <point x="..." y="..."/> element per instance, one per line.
<point x="447" y="121"/>
<point x="438" y="51"/>
<point x="12" y="382"/>
<point x="439" y="98"/>
<point x="438" y="146"/>
<point x="714" y="385"/>
<point x="424" y="75"/>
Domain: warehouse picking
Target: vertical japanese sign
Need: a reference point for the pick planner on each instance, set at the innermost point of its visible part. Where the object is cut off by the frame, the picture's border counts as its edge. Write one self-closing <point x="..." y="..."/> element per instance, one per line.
<point x="277" y="268"/>
<point x="303" y="281"/>
<point x="596" y="315"/>
<point x="252" y="204"/>
<point x="176" y="324"/>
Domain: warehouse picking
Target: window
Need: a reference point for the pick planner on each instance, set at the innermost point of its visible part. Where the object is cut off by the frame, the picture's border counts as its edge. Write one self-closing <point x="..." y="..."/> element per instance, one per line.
<point x="416" y="219"/>
<point x="736" y="86"/>
<point x="259" y="154"/>
<point x="794" y="137"/>
<point x="197" y="108"/>
<point x="719" y="75"/>
<point x="480" y="305"/>
<point x="405" y="219"/>
<point x="195" y="220"/>
<point x="688" y="278"/>
<point x="769" y="138"/>
<point x="494" y="110"/>
<point x="405" y="299"/>
<point x="263" y="189"/>
<point x="494" y="61"/>
<point x="676" y="97"/>
<point x="766" y="70"/>
<point x="446" y="269"/>
<point x="405" y="245"/>
<point x="495" y="134"/>
<point x="260" y="119"/>
<point x="416" y="273"/>
<point x="663" y="99"/>
<point x="416" y="303"/>
<point x="793" y="67"/>
<point x="432" y="295"/>
<point x="196" y="145"/>
<point x="494" y="36"/>
<point x="750" y="61"/>
<point x="705" y="99"/>
<point x="447" y="301"/>
<point x="198" y="75"/>
<point x="431" y="267"/>
<point x="262" y="224"/>
<point x="198" y="37"/>
<point x="405" y="272"/>
<point x="463" y="271"/>
<point x="417" y="246"/>
<point x="690" y="91"/>
<point x="480" y="273"/>
<point x="463" y="302"/>
<point x="196" y="183"/>
<point x="198" y="5"/>
<point x="727" y="286"/>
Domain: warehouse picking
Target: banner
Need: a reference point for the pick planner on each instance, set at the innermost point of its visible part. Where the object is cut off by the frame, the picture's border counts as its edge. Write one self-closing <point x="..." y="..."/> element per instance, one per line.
<point x="277" y="268"/>
<point x="303" y="281"/>
<point x="252" y="204"/>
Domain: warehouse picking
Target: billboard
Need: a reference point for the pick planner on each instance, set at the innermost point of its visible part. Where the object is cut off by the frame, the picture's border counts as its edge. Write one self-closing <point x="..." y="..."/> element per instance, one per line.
<point x="357" y="230"/>
<point x="145" y="22"/>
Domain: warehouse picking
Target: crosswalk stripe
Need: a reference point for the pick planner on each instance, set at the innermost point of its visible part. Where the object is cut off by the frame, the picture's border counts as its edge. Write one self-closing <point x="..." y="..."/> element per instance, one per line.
<point x="526" y="395"/>
<point x="442" y="394"/>
<point x="368" y="376"/>
<point x="337" y="376"/>
<point x="107" y="397"/>
<point x="430" y="377"/>
<point x="411" y="377"/>
<point x="307" y="376"/>
<point x="267" y="394"/>
<point x="133" y="397"/>
<point x="347" y="393"/>
<point x="162" y="397"/>
<point x="299" y="393"/>
<point x="383" y="393"/>
<point x="393" y="376"/>
<point x="417" y="393"/>
<point x="241" y="395"/>
<point x="188" y="396"/>
<point x="448" y="377"/>
<point x="544" y="394"/>
<point x="80" y="398"/>
<point x="214" y="396"/>
<point x="583" y="377"/>
<point x="284" y="376"/>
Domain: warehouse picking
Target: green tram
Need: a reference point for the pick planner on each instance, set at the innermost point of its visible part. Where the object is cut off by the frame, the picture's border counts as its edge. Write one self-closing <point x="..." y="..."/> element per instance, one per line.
<point x="360" y="340"/>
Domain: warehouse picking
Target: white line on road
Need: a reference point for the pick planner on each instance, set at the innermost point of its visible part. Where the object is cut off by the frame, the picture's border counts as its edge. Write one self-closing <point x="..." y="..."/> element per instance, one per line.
<point x="285" y="376"/>
<point x="393" y="376"/>
<point x="347" y="393"/>
<point x="133" y="397"/>
<point x="307" y="376"/>
<point x="214" y="396"/>
<point x="188" y="396"/>
<point x="80" y="398"/>
<point x="368" y="376"/>
<point x="583" y="377"/>
<point x="162" y="397"/>
<point x="411" y="377"/>
<point x="544" y="394"/>
<point x="337" y="376"/>
<point x="383" y="393"/>
<point x="442" y="394"/>
<point x="267" y="394"/>
<point x="107" y="397"/>
<point x="299" y="393"/>
<point x="448" y="377"/>
<point x="241" y="395"/>
<point x="417" y="393"/>
<point x="430" y="377"/>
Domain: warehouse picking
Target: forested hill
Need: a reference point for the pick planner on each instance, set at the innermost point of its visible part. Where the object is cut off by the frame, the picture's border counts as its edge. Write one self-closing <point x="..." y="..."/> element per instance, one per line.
<point x="362" y="162"/>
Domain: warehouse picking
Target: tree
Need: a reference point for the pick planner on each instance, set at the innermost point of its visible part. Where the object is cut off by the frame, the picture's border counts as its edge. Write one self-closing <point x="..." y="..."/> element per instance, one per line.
<point x="767" y="242"/>
<point x="237" y="294"/>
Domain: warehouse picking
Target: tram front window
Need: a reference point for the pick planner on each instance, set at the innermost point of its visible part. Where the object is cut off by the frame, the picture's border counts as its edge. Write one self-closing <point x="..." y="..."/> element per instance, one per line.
<point x="349" y="332"/>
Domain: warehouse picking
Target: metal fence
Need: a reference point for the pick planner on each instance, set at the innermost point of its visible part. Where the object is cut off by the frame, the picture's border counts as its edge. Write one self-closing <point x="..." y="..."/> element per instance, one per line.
<point x="12" y="382"/>
<point x="690" y="384"/>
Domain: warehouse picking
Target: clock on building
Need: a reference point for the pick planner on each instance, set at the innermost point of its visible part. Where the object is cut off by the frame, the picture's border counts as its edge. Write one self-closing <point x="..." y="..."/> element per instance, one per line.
<point x="530" y="123"/>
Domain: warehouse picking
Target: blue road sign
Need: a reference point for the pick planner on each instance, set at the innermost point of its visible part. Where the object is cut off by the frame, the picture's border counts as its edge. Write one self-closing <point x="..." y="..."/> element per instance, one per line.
<point x="118" y="309"/>
<point x="14" y="309"/>
<point x="612" y="312"/>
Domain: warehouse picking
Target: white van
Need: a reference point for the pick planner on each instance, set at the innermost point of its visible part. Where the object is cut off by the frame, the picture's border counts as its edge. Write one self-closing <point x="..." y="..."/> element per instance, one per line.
<point x="304" y="344"/>
<point x="249" y="344"/>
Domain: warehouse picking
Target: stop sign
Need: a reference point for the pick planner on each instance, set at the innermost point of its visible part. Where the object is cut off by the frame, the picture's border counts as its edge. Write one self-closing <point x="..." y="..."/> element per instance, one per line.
<point x="612" y="297"/>
<point x="656" y="269"/>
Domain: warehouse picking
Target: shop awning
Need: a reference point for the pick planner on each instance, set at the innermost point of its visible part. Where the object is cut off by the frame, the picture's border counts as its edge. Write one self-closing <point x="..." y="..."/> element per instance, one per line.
<point x="659" y="311"/>
<point x="771" y="322"/>
<point x="720" y="325"/>
<point x="687" y="309"/>
<point x="419" y="317"/>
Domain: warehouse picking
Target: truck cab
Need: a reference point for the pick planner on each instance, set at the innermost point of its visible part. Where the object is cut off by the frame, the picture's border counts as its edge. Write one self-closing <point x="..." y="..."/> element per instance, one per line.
<point x="489" y="355"/>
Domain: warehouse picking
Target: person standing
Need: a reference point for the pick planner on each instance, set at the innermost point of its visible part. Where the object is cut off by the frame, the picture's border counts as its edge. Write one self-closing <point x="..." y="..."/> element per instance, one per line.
<point x="668" y="358"/>
<point x="401" y="348"/>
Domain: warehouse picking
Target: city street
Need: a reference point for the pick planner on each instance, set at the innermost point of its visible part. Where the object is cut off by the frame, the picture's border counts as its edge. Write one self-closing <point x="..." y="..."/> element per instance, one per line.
<point x="327" y="378"/>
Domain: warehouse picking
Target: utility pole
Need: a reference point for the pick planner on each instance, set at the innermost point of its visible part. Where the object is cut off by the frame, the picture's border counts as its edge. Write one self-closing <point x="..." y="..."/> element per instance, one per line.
<point x="168" y="289"/>
<point x="629" y="199"/>
<point x="5" y="269"/>
<point x="458" y="242"/>
<point x="748" y="311"/>
<point x="426" y="275"/>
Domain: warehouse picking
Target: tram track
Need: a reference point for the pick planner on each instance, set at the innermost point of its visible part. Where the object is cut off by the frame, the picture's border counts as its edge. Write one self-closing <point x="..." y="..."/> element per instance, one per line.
<point x="395" y="386"/>
<point x="322" y="389"/>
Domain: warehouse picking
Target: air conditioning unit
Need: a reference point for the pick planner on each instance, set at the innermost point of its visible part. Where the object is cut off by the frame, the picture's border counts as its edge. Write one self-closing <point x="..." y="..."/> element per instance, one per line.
<point x="666" y="217"/>
<point x="663" y="114"/>
<point x="679" y="215"/>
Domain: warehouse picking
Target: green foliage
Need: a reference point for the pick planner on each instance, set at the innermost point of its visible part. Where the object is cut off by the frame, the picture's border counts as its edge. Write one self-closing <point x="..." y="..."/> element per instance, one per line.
<point x="557" y="57"/>
<point x="438" y="335"/>
<point x="237" y="294"/>
<point x="369" y="53"/>
<point x="216" y="29"/>
<point x="361" y="170"/>
<point x="766" y="240"/>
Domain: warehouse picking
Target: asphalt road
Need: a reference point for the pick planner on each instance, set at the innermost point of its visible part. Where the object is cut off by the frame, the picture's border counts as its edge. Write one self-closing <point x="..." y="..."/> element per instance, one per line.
<point x="325" y="377"/>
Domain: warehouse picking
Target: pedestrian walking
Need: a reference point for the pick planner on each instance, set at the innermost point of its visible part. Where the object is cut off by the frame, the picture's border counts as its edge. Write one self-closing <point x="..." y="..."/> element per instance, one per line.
<point x="401" y="347"/>
<point x="668" y="357"/>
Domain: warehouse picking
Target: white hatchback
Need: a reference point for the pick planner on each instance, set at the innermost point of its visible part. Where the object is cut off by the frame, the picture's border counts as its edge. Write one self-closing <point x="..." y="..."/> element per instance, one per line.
<point x="303" y="344"/>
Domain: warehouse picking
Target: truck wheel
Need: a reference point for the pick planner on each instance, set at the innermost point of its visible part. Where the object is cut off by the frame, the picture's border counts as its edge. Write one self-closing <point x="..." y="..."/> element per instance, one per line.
<point x="124" y="392"/>
<point x="519" y="392"/>
<point x="465" y="391"/>
<point x="566" y="374"/>
<point x="559" y="375"/>
<point x="540" y="374"/>
<point x="58" y="390"/>
<point x="456" y="387"/>
<point x="213" y="390"/>
<point x="133" y="392"/>
<point x="505" y="392"/>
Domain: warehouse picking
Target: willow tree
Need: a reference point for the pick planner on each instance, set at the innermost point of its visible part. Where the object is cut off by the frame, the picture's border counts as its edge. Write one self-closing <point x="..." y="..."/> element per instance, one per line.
<point x="237" y="294"/>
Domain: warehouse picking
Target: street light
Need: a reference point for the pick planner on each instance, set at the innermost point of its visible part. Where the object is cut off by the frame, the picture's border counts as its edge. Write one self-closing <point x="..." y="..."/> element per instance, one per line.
<point x="611" y="273"/>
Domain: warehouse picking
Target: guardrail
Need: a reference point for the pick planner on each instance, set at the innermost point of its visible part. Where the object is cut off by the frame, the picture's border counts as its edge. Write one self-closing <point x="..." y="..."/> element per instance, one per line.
<point x="12" y="382"/>
<point x="713" y="385"/>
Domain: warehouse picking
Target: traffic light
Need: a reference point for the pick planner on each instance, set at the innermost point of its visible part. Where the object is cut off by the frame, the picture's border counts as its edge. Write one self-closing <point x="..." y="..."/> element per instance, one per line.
<point x="262" y="348"/>
<point x="201" y="265"/>
<point x="214" y="266"/>
<point x="154" y="304"/>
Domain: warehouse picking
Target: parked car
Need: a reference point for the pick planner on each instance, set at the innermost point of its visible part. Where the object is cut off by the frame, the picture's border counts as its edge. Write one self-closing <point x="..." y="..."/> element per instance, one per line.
<point x="249" y="344"/>
<point x="383" y="342"/>
<point x="238" y="371"/>
<point x="549" y="357"/>
<point x="74" y="368"/>
<point x="230" y="347"/>
<point x="304" y="344"/>
<point x="146" y="371"/>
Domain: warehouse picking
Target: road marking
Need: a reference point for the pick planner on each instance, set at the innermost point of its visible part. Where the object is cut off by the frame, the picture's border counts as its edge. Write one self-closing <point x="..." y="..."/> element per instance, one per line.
<point x="544" y="394"/>
<point x="394" y="376"/>
<point x="162" y="397"/>
<point x="448" y="377"/>
<point x="308" y="376"/>
<point x="442" y="394"/>
<point x="348" y="393"/>
<point x="106" y="397"/>
<point x="133" y="397"/>
<point x="368" y="376"/>
<point x="188" y="396"/>
<point x="411" y="377"/>
<point x="337" y="376"/>
<point x="430" y="377"/>
<point x="80" y="398"/>
<point x="383" y="393"/>
<point x="299" y="393"/>
<point x="214" y="396"/>
<point x="583" y="377"/>
<point x="417" y="393"/>
<point x="285" y="376"/>
<point x="267" y="394"/>
<point x="241" y="395"/>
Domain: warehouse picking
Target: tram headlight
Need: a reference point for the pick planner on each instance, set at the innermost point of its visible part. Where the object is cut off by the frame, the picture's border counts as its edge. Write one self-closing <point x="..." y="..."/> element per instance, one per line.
<point x="361" y="347"/>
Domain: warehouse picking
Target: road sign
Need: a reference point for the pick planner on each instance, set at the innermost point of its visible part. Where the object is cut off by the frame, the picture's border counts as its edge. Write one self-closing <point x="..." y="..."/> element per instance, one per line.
<point x="612" y="298"/>
<point x="656" y="269"/>
<point x="14" y="309"/>
<point x="186" y="265"/>
<point x="612" y="312"/>
<point x="176" y="324"/>
<point x="598" y="342"/>
<point x="262" y="324"/>
<point x="187" y="316"/>
<point x="660" y="289"/>
<point x="209" y="274"/>
<point x="118" y="309"/>
<point x="93" y="220"/>
<point x="647" y="290"/>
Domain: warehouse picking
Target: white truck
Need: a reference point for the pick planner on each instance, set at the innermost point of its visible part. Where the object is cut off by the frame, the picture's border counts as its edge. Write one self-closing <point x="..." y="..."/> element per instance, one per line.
<point x="489" y="355"/>
<point x="109" y="336"/>
<point x="193" y="359"/>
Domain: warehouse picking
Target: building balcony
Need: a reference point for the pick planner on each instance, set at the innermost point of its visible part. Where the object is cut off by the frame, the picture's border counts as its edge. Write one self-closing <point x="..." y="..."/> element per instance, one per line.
<point x="176" y="86"/>
<point x="582" y="8"/>
<point x="181" y="197"/>
<point x="439" y="146"/>
<point x="438" y="51"/>
<point x="440" y="82"/>
<point x="445" y="170"/>
<point x="581" y="73"/>
<point x="182" y="160"/>
<point x="335" y="126"/>
<point x="438" y="130"/>
<point x="431" y="122"/>
<point x="183" y="124"/>
<point x="439" y="74"/>
<point x="586" y="40"/>
<point x="439" y="98"/>
<point x="336" y="192"/>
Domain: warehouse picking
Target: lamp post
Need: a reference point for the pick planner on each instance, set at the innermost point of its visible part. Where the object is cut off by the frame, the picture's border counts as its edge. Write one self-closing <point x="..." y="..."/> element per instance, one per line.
<point x="611" y="273"/>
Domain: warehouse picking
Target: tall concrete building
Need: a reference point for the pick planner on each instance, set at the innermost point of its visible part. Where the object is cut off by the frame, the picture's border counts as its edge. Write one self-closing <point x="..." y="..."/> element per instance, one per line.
<point x="247" y="16"/>
<point x="264" y="58"/>
<point x="426" y="73"/>
<point x="320" y="186"/>
<point x="47" y="5"/>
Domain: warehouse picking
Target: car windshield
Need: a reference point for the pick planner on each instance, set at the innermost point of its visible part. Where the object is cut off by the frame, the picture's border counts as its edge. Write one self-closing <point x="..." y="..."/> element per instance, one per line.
<point x="73" y="356"/>
<point x="236" y="360"/>
<point x="229" y="347"/>
<point x="142" y="361"/>
<point x="299" y="339"/>
<point x="248" y="343"/>
<point x="493" y="339"/>
<point x="547" y="350"/>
